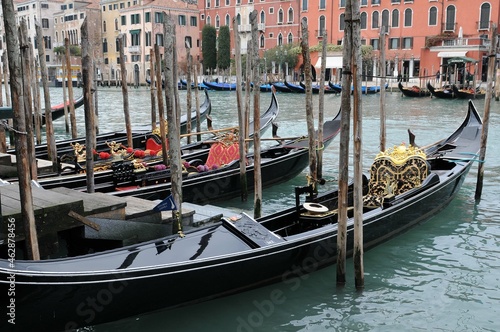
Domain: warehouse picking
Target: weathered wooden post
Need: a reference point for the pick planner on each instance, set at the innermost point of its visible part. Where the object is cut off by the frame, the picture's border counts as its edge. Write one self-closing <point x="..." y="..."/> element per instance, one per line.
<point x="20" y="135"/>
<point x="65" y="98"/>
<point x="173" y="129"/>
<point x="197" y="101"/>
<point x="358" y="142"/>
<point x="497" y="86"/>
<point x="49" y="126"/>
<point x="69" y="73"/>
<point x="256" y="116"/>
<point x="486" y="116"/>
<point x="126" y="111"/>
<point x="28" y="109"/>
<point x="5" y="62"/>
<point x="344" y="147"/>
<point x="152" y="86"/>
<point x="313" y="175"/>
<point x="161" y="107"/>
<point x="321" y="111"/>
<point x="35" y="87"/>
<point x="382" y="88"/>
<point x="188" y="92"/>
<point x="87" y="70"/>
<point x="177" y="102"/>
<point x="241" y="113"/>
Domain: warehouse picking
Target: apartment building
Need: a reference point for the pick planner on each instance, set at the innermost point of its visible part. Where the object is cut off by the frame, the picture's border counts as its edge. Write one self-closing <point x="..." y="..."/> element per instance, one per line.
<point x="420" y="35"/>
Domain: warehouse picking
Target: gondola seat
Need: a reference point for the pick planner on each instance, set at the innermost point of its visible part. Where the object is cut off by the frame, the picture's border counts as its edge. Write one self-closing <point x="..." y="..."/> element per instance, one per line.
<point x="222" y="153"/>
<point x="394" y="172"/>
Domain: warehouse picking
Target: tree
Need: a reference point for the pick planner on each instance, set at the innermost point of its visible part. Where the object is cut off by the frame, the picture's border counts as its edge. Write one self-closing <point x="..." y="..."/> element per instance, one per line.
<point x="209" y="38"/>
<point x="224" y="52"/>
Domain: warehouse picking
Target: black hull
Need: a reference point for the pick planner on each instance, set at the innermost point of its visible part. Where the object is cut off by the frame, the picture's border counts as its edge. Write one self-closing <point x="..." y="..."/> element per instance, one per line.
<point x="295" y="88"/>
<point x="316" y="89"/>
<point x="411" y="93"/>
<point x="220" y="87"/>
<point x="139" y="135"/>
<point x="335" y="87"/>
<point x="441" y="93"/>
<point x="282" y="88"/>
<point x="462" y="94"/>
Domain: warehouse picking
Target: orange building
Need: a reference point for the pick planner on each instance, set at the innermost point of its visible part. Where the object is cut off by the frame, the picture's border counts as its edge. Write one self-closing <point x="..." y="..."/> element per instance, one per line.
<point x="421" y="35"/>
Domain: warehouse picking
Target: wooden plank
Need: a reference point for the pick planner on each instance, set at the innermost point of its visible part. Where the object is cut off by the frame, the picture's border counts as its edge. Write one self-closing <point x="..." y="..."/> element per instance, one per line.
<point x="84" y="220"/>
<point x="94" y="203"/>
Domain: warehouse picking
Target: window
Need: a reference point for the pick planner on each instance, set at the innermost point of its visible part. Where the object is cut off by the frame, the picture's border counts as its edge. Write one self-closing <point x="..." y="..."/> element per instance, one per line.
<point x="262" y="17"/>
<point x="124" y="20"/>
<point x="395" y="18"/>
<point x="262" y="41"/>
<point x="104" y="45"/>
<point x="271" y="10"/>
<point x="433" y="16"/>
<point x="484" y="20"/>
<point x="208" y="4"/>
<point x="228" y="19"/>
<point x="450" y="18"/>
<point x="115" y="6"/>
<point x="408" y="17"/>
<point x="407" y="43"/>
<point x="228" y="2"/>
<point x="81" y="16"/>
<point x="209" y="20"/>
<point x="136" y="57"/>
<point x="45" y="23"/>
<point x="395" y="1"/>
<point x="122" y="5"/>
<point x="159" y="39"/>
<point x="305" y="5"/>
<point x="374" y="43"/>
<point x="47" y="42"/>
<point x="158" y="17"/>
<point x="47" y="58"/>
<point x="280" y="16"/>
<point x="290" y="38"/>
<point x="193" y="21"/>
<point x="385" y="21"/>
<point x="375" y="16"/>
<point x="135" y="38"/>
<point x="375" y="2"/>
<point x="238" y="2"/>
<point x="202" y="17"/>
<point x="116" y="24"/>
<point x="188" y="41"/>
<point x="147" y="17"/>
<point x="217" y="3"/>
<point x="45" y="5"/>
<point x="217" y="21"/>
<point x="342" y="3"/>
<point x="322" y="26"/>
<point x="290" y="15"/>
<point x="322" y="4"/>
<point x="147" y="37"/>
<point x="393" y="43"/>
<point x="364" y="19"/>
<point x="342" y="21"/>
<point x="364" y="2"/>
<point x="104" y="26"/>
<point x="135" y="19"/>
<point x="280" y="39"/>
<point x="182" y="20"/>
<point x="238" y="18"/>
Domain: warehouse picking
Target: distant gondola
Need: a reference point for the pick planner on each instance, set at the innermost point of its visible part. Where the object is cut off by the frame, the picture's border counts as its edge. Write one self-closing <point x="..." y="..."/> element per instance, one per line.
<point x="414" y="91"/>
<point x="468" y="93"/>
<point x="316" y="88"/>
<point x="444" y="93"/>
<point x="220" y="86"/>
<point x="281" y="87"/>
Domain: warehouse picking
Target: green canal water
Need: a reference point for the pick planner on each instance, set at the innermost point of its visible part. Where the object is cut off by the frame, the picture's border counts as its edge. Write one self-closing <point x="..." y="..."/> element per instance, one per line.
<point x="442" y="275"/>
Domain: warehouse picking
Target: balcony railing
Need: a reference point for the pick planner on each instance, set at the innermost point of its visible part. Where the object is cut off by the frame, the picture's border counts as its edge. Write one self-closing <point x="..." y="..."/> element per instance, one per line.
<point x="244" y="28"/>
<point x="261" y="26"/>
<point x="476" y="41"/>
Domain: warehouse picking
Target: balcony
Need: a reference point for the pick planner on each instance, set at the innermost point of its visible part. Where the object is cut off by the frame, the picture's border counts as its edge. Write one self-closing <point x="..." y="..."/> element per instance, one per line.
<point x="261" y="27"/>
<point x="134" y="49"/>
<point x="244" y="28"/>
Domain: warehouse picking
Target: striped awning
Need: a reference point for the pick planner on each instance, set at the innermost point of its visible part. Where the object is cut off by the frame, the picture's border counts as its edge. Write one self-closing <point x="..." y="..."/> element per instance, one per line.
<point x="451" y="54"/>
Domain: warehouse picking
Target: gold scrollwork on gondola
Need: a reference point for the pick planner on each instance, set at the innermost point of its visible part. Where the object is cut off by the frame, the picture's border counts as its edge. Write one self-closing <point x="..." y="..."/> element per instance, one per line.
<point x="394" y="172"/>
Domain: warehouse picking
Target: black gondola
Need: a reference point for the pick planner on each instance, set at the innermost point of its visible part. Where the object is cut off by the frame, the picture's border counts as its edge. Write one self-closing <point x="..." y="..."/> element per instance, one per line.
<point x="281" y="87"/>
<point x="414" y="91"/>
<point x="56" y="110"/>
<point x="139" y="137"/>
<point x="295" y="88"/>
<point x="215" y="260"/>
<point x="444" y="93"/>
<point x="468" y="93"/>
<point x="335" y="87"/>
<point x="113" y="175"/>
<point x="220" y="86"/>
<point x="315" y="88"/>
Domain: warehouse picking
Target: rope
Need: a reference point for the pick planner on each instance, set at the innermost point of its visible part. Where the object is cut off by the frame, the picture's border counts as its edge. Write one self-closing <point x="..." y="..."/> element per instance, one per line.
<point x="10" y="128"/>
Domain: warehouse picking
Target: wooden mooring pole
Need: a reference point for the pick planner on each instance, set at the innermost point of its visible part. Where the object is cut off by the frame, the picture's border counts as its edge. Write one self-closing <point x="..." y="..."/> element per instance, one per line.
<point x="257" y="210"/>
<point x="344" y="148"/>
<point x="152" y="89"/>
<point x="69" y="73"/>
<point x="486" y="116"/>
<point x="241" y="113"/>
<point x="20" y="134"/>
<point x="188" y="90"/>
<point x="321" y="110"/>
<point x="126" y="110"/>
<point x="161" y="107"/>
<point x="382" y="88"/>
